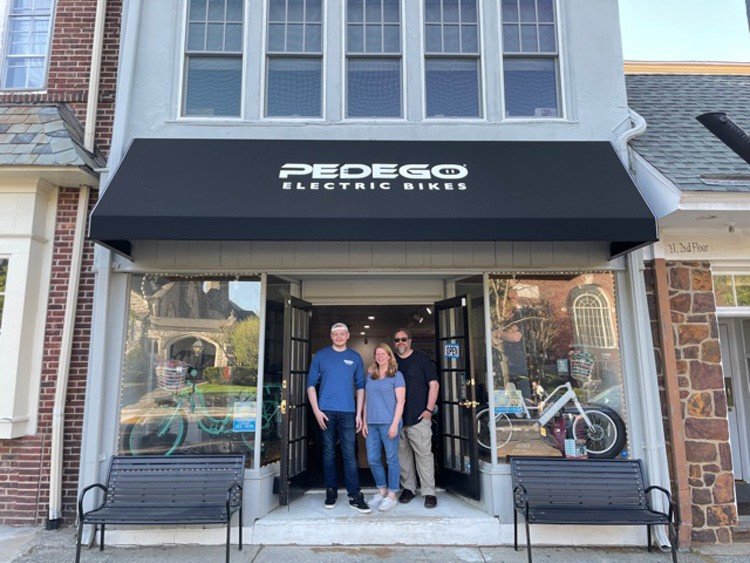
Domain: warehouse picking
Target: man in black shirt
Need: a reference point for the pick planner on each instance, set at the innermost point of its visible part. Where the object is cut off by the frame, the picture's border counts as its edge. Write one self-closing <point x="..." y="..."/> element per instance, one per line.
<point x="415" y="447"/>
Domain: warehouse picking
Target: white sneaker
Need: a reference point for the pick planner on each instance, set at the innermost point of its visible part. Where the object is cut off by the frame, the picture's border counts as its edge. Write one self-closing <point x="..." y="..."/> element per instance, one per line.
<point x="387" y="503"/>
<point x="375" y="501"/>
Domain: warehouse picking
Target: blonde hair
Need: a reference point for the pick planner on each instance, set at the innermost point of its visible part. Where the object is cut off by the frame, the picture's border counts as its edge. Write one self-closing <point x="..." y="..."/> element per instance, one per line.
<point x="374" y="369"/>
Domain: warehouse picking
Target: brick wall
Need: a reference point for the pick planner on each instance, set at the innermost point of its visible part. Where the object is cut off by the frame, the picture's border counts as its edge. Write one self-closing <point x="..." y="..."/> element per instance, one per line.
<point x="25" y="462"/>
<point x="704" y="403"/>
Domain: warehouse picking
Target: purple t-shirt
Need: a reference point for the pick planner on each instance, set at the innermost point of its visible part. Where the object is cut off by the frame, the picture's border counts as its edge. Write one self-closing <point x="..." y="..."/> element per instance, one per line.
<point x="380" y="395"/>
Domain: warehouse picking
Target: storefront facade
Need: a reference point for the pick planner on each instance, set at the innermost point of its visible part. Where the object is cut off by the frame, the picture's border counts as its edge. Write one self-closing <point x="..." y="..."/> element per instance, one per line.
<point x="339" y="183"/>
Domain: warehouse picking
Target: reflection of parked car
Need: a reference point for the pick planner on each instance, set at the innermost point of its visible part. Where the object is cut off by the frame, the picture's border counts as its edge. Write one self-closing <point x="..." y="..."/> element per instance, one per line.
<point x="611" y="397"/>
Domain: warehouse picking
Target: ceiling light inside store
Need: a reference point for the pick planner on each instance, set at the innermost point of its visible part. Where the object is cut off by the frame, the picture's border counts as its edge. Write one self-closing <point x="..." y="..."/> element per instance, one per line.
<point x="371" y="318"/>
<point x="362" y="333"/>
<point x="367" y="326"/>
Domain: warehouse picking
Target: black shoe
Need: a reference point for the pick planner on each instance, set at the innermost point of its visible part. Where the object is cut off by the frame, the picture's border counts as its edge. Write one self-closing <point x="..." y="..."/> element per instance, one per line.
<point x="430" y="501"/>
<point x="331" y="495"/>
<point x="406" y="496"/>
<point x="358" y="503"/>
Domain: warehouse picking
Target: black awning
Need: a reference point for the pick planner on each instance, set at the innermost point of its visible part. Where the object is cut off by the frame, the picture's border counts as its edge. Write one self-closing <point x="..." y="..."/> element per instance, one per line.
<point x="207" y="189"/>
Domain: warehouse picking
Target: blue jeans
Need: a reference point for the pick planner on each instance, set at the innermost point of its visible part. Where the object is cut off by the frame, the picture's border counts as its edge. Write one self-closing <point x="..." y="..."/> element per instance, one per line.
<point x="340" y="426"/>
<point x="377" y="439"/>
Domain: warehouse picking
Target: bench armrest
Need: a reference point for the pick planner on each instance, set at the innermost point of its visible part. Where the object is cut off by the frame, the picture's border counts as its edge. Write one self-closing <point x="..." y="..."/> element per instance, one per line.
<point x="520" y="498"/>
<point x="83" y="493"/>
<point x="234" y="494"/>
<point x="672" y="510"/>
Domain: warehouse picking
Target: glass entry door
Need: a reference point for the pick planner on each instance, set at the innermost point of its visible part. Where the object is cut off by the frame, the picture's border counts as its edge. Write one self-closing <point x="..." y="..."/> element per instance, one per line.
<point x="294" y="406"/>
<point x="457" y="444"/>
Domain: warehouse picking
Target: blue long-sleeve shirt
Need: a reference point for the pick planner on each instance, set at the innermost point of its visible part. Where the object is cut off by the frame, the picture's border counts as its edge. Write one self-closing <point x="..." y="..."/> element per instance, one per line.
<point x="339" y="374"/>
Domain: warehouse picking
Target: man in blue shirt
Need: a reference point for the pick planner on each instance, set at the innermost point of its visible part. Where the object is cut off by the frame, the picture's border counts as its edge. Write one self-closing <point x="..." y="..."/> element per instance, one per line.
<point x="339" y="371"/>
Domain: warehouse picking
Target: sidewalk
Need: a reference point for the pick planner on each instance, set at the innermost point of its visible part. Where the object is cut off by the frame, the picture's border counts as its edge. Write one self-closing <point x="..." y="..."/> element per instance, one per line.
<point x="26" y="545"/>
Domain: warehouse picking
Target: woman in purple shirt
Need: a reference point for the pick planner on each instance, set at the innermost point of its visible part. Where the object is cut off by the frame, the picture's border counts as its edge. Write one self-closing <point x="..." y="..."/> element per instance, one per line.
<point x="385" y="394"/>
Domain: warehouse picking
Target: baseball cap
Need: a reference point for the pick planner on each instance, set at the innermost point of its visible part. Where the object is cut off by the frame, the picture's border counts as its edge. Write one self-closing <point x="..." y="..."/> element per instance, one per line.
<point x="339" y="326"/>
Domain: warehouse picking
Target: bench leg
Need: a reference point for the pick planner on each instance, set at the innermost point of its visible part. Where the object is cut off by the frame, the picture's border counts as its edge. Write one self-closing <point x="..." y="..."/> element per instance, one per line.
<point x="229" y="529"/>
<point x="78" y="542"/>
<point x="101" y="539"/>
<point x="241" y="527"/>
<point x="649" y="545"/>
<point x="515" y="530"/>
<point x="673" y="542"/>
<point x="528" y="541"/>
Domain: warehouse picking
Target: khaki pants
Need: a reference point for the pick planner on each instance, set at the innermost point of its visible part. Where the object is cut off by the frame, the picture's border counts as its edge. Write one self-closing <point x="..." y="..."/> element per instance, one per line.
<point x="416" y="446"/>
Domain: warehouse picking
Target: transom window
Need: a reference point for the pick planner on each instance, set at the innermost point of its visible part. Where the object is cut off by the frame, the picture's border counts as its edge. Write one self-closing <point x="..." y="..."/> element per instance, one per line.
<point x="452" y="77"/>
<point x="294" y="64"/>
<point x="27" y="46"/>
<point x="530" y="58"/>
<point x="732" y="290"/>
<point x="373" y="63"/>
<point x="213" y="58"/>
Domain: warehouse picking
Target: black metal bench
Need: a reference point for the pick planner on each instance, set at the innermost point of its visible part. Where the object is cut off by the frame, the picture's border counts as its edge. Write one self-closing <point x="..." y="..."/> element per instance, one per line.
<point x="589" y="492"/>
<point x="185" y="489"/>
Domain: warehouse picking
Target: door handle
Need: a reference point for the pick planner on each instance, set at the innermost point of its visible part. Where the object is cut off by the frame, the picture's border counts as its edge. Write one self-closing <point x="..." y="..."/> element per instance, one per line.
<point x="282" y="407"/>
<point x="469" y="404"/>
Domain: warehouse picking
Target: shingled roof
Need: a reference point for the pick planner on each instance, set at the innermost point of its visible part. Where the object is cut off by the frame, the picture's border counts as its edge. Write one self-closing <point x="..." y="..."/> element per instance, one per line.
<point x="43" y="135"/>
<point x="679" y="146"/>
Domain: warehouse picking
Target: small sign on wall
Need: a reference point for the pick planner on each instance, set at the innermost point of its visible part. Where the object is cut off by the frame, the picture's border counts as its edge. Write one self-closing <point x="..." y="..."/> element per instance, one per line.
<point x="452" y="351"/>
<point x="243" y="416"/>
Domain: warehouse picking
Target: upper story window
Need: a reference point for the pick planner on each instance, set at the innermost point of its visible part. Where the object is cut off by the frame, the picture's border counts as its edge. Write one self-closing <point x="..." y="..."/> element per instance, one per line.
<point x="27" y="45"/>
<point x="452" y="76"/>
<point x="373" y="58"/>
<point x="294" y="65"/>
<point x="213" y="58"/>
<point x="530" y="58"/>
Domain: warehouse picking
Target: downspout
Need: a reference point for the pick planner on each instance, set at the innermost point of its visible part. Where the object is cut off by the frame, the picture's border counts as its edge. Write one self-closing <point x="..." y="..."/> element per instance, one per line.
<point x="74" y="277"/>
<point x="638" y="127"/>
<point x="674" y="404"/>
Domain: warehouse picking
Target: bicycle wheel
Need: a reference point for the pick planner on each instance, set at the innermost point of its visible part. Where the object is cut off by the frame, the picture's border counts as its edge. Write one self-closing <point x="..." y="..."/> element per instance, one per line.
<point x="503" y="429"/>
<point x="159" y="431"/>
<point x="605" y="438"/>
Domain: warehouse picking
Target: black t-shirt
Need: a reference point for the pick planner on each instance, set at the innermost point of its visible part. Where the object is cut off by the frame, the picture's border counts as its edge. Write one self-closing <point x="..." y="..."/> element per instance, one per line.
<point x="418" y="371"/>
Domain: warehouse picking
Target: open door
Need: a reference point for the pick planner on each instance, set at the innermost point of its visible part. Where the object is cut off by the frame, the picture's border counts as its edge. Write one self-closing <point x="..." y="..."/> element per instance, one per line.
<point x="458" y="449"/>
<point x="294" y="405"/>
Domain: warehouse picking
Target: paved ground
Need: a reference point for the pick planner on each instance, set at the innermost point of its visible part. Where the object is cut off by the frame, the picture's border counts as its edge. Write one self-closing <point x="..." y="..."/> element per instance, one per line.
<point x="26" y="545"/>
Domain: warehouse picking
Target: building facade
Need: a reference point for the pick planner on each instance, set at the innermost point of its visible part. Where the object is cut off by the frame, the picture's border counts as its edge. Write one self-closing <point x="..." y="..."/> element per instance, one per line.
<point x="49" y="172"/>
<point x="451" y="167"/>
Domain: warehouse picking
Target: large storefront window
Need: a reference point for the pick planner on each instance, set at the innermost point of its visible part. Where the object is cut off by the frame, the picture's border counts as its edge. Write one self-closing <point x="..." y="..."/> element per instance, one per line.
<point x="555" y="346"/>
<point x="190" y="366"/>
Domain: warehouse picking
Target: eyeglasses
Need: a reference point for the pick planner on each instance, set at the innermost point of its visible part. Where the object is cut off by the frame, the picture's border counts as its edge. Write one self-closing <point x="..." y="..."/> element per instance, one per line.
<point x="401" y="339"/>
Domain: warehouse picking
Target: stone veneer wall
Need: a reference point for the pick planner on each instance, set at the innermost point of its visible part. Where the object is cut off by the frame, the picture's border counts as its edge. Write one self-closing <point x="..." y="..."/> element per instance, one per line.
<point x="704" y="403"/>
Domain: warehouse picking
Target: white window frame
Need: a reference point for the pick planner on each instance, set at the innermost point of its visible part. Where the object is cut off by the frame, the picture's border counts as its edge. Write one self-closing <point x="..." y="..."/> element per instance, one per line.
<point x="401" y="57"/>
<point x="424" y="56"/>
<point x="266" y="55"/>
<point x="5" y="12"/>
<point x="559" y="68"/>
<point x="183" y="75"/>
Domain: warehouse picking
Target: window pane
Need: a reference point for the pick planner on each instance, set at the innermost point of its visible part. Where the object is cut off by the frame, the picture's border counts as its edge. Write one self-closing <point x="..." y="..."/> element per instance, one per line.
<point x="547" y="39"/>
<point x="277" y="11"/>
<point x="214" y="85"/>
<point x="546" y="11"/>
<point x="468" y="11"/>
<point x="197" y="10"/>
<point x="434" y="39"/>
<point x="215" y="37"/>
<point x="528" y="11"/>
<point x="234" y="10"/>
<point x="723" y="291"/>
<point x="469" y="40"/>
<point x="296" y="9"/>
<point x="452" y="88"/>
<point x="392" y="39"/>
<point x="294" y="87"/>
<point x="450" y="39"/>
<point x="233" y="37"/>
<point x="312" y="38"/>
<point x="372" y="11"/>
<point x="192" y="389"/>
<point x="24" y="72"/>
<point x="391" y="11"/>
<point x="450" y="11"/>
<point x="373" y="39"/>
<point x="276" y="37"/>
<point x="530" y="88"/>
<point x="528" y="39"/>
<point x="313" y="11"/>
<point x="215" y="10"/>
<point x="742" y="287"/>
<point x="511" y="39"/>
<point x="354" y="11"/>
<point x="197" y="36"/>
<point x="374" y="88"/>
<point x="542" y="340"/>
<point x="355" y="38"/>
<point x="294" y="38"/>
<point x="432" y="11"/>
<point x="510" y="11"/>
